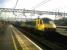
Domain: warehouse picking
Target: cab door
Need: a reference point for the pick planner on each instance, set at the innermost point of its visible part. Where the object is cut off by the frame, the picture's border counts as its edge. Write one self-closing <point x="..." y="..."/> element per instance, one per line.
<point x="40" y="24"/>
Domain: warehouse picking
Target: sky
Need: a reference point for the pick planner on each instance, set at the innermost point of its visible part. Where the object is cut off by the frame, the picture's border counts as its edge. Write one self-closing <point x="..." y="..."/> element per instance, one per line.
<point x="42" y="5"/>
<point x="46" y="5"/>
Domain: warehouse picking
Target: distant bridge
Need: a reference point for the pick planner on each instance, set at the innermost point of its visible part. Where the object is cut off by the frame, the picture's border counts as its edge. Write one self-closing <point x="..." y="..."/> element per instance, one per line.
<point x="32" y="11"/>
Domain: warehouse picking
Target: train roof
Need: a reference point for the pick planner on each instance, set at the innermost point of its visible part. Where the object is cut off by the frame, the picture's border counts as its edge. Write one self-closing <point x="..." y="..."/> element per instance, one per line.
<point x="47" y="19"/>
<point x="44" y="19"/>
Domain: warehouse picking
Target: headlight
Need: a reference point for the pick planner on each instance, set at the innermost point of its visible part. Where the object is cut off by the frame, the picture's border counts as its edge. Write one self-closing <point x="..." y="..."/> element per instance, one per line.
<point x="52" y="23"/>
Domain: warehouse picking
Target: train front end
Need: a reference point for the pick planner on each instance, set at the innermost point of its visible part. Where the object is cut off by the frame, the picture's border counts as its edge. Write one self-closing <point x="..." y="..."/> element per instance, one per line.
<point x="45" y="24"/>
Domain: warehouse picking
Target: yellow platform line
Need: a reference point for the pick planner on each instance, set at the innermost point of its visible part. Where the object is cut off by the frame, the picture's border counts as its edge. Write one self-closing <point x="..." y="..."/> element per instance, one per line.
<point x="14" y="42"/>
<point x="21" y="42"/>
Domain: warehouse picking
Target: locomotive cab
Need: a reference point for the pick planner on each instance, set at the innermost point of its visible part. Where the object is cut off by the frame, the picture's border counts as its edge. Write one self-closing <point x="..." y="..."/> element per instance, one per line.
<point x="49" y="24"/>
<point x="40" y="24"/>
<point x="45" y="24"/>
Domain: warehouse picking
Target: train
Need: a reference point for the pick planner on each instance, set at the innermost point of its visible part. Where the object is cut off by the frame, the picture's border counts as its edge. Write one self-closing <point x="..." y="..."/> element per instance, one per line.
<point x="39" y="27"/>
<point x="40" y="24"/>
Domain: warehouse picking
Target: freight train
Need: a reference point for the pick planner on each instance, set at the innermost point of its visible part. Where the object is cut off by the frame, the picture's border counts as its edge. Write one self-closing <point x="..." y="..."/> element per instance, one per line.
<point x="44" y="24"/>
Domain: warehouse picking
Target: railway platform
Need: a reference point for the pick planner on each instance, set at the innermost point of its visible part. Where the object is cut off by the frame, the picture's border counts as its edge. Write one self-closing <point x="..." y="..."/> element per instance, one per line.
<point x="13" y="39"/>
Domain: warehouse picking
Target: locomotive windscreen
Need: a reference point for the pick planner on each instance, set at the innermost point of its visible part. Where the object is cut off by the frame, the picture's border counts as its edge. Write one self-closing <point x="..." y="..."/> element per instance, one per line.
<point x="46" y="20"/>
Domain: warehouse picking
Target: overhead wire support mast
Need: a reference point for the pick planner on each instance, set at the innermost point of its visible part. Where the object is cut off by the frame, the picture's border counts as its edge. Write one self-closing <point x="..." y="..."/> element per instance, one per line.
<point x="16" y="4"/>
<point x="15" y="7"/>
<point x="38" y="5"/>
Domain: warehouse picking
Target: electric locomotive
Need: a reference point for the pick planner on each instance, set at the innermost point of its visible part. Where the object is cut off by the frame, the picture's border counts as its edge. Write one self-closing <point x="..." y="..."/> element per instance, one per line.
<point x="44" y="24"/>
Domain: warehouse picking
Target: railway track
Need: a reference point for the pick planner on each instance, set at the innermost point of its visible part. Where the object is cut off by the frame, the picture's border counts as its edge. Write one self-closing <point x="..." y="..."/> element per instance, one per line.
<point x="33" y="38"/>
<point x="45" y="42"/>
<point x="62" y="27"/>
<point x="62" y="31"/>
